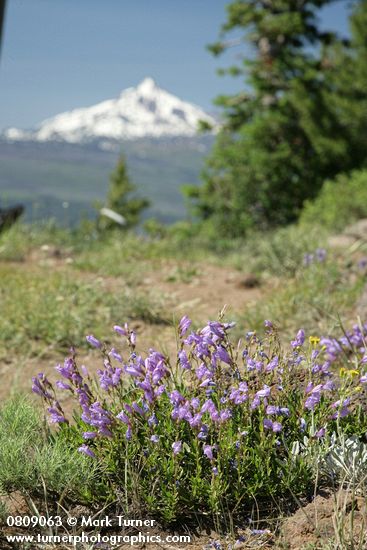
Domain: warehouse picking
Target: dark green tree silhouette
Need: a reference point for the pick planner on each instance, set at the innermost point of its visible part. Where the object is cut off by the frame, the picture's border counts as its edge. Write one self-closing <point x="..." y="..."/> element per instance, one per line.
<point x="121" y="199"/>
<point x="347" y="93"/>
<point x="280" y="140"/>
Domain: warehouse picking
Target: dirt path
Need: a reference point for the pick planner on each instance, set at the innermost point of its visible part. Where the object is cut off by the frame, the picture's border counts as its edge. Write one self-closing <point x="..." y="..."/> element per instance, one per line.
<point x="198" y="290"/>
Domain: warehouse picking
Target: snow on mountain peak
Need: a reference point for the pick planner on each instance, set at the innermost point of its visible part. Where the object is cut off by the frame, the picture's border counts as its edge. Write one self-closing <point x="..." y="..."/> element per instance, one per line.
<point x="144" y="111"/>
<point x="146" y="86"/>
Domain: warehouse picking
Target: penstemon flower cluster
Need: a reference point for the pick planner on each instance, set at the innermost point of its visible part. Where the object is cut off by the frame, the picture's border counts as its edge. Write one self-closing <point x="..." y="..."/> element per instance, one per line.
<point x="218" y="423"/>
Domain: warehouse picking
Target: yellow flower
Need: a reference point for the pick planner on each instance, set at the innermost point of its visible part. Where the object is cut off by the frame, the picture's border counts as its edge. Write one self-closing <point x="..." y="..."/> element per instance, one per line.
<point x="347" y="372"/>
<point x="358" y="388"/>
<point x="314" y="340"/>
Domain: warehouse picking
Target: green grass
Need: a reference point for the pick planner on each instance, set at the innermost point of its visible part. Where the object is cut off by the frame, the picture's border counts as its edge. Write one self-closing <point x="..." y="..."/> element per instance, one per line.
<point x="317" y="299"/>
<point x="56" y="309"/>
<point x="20" y="240"/>
<point x="119" y="253"/>
<point x="45" y="308"/>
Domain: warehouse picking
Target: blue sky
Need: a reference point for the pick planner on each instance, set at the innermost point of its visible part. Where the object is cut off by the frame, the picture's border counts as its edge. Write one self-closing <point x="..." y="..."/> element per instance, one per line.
<point x="62" y="54"/>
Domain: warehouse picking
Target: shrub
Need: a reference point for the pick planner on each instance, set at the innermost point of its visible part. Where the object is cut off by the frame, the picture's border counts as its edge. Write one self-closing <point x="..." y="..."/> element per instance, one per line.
<point x="282" y="252"/>
<point x="31" y="458"/>
<point x="322" y="292"/>
<point x="216" y="430"/>
<point x="340" y="202"/>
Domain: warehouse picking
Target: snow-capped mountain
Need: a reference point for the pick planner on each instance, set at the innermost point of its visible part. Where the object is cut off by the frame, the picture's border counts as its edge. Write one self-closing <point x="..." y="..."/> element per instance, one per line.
<point x="144" y="111"/>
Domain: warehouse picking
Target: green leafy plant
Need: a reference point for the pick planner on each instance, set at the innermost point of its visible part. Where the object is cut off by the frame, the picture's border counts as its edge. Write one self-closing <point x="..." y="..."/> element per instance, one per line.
<point x="340" y="202"/>
<point x="219" y="427"/>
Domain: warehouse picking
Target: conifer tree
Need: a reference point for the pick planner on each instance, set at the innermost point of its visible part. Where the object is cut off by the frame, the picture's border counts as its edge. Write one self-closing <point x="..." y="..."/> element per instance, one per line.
<point x="347" y="93"/>
<point x="121" y="200"/>
<point x="280" y="140"/>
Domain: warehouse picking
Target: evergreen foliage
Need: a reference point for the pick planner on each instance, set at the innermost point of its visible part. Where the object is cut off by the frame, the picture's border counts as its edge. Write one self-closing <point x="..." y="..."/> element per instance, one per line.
<point x="121" y="200"/>
<point x="286" y="133"/>
<point x="347" y="94"/>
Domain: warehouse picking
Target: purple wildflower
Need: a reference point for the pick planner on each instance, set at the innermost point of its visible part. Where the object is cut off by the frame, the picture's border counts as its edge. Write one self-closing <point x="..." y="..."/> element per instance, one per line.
<point x="265" y="392"/>
<point x="195" y="403"/>
<point x="272" y="409"/>
<point x="223" y="355"/>
<point x="312" y="401"/>
<point x="328" y="386"/>
<point x="84" y="370"/>
<point x="183" y="413"/>
<point x="208" y="406"/>
<point x="92" y="340"/>
<point x="273" y="364"/>
<point x="67" y="370"/>
<point x="115" y="355"/>
<point x="183" y="359"/>
<point x="56" y="417"/>
<point x="320" y="254"/>
<point x="134" y="370"/>
<point x="255" y="402"/>
<point x="177" y="446"/>
<point x="277" y="427"/>
<point x="268" y="425"/>
<point x="217" y="329"/>
<point x="123" y="417"/>
<point x="299" y="340"/>
<point x="137" y="408"/>
<point x="120" y="330"/>
<point x="158" y="391"/>
<point x="63" y="385"/>
<point x="195" y="421"/>
<point x="208" y="451"/>
<point x="87" y="451"/>
<point x="320" y="433"/>
<point x="202" y="371"/>
<point x="39" y="385"/>
<point x="89" y="435"/>
<point x="184" y="325"/>
<point x="225" y="415"/>
<point x="152" y="420"/>
<point x="175" y="397"/>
